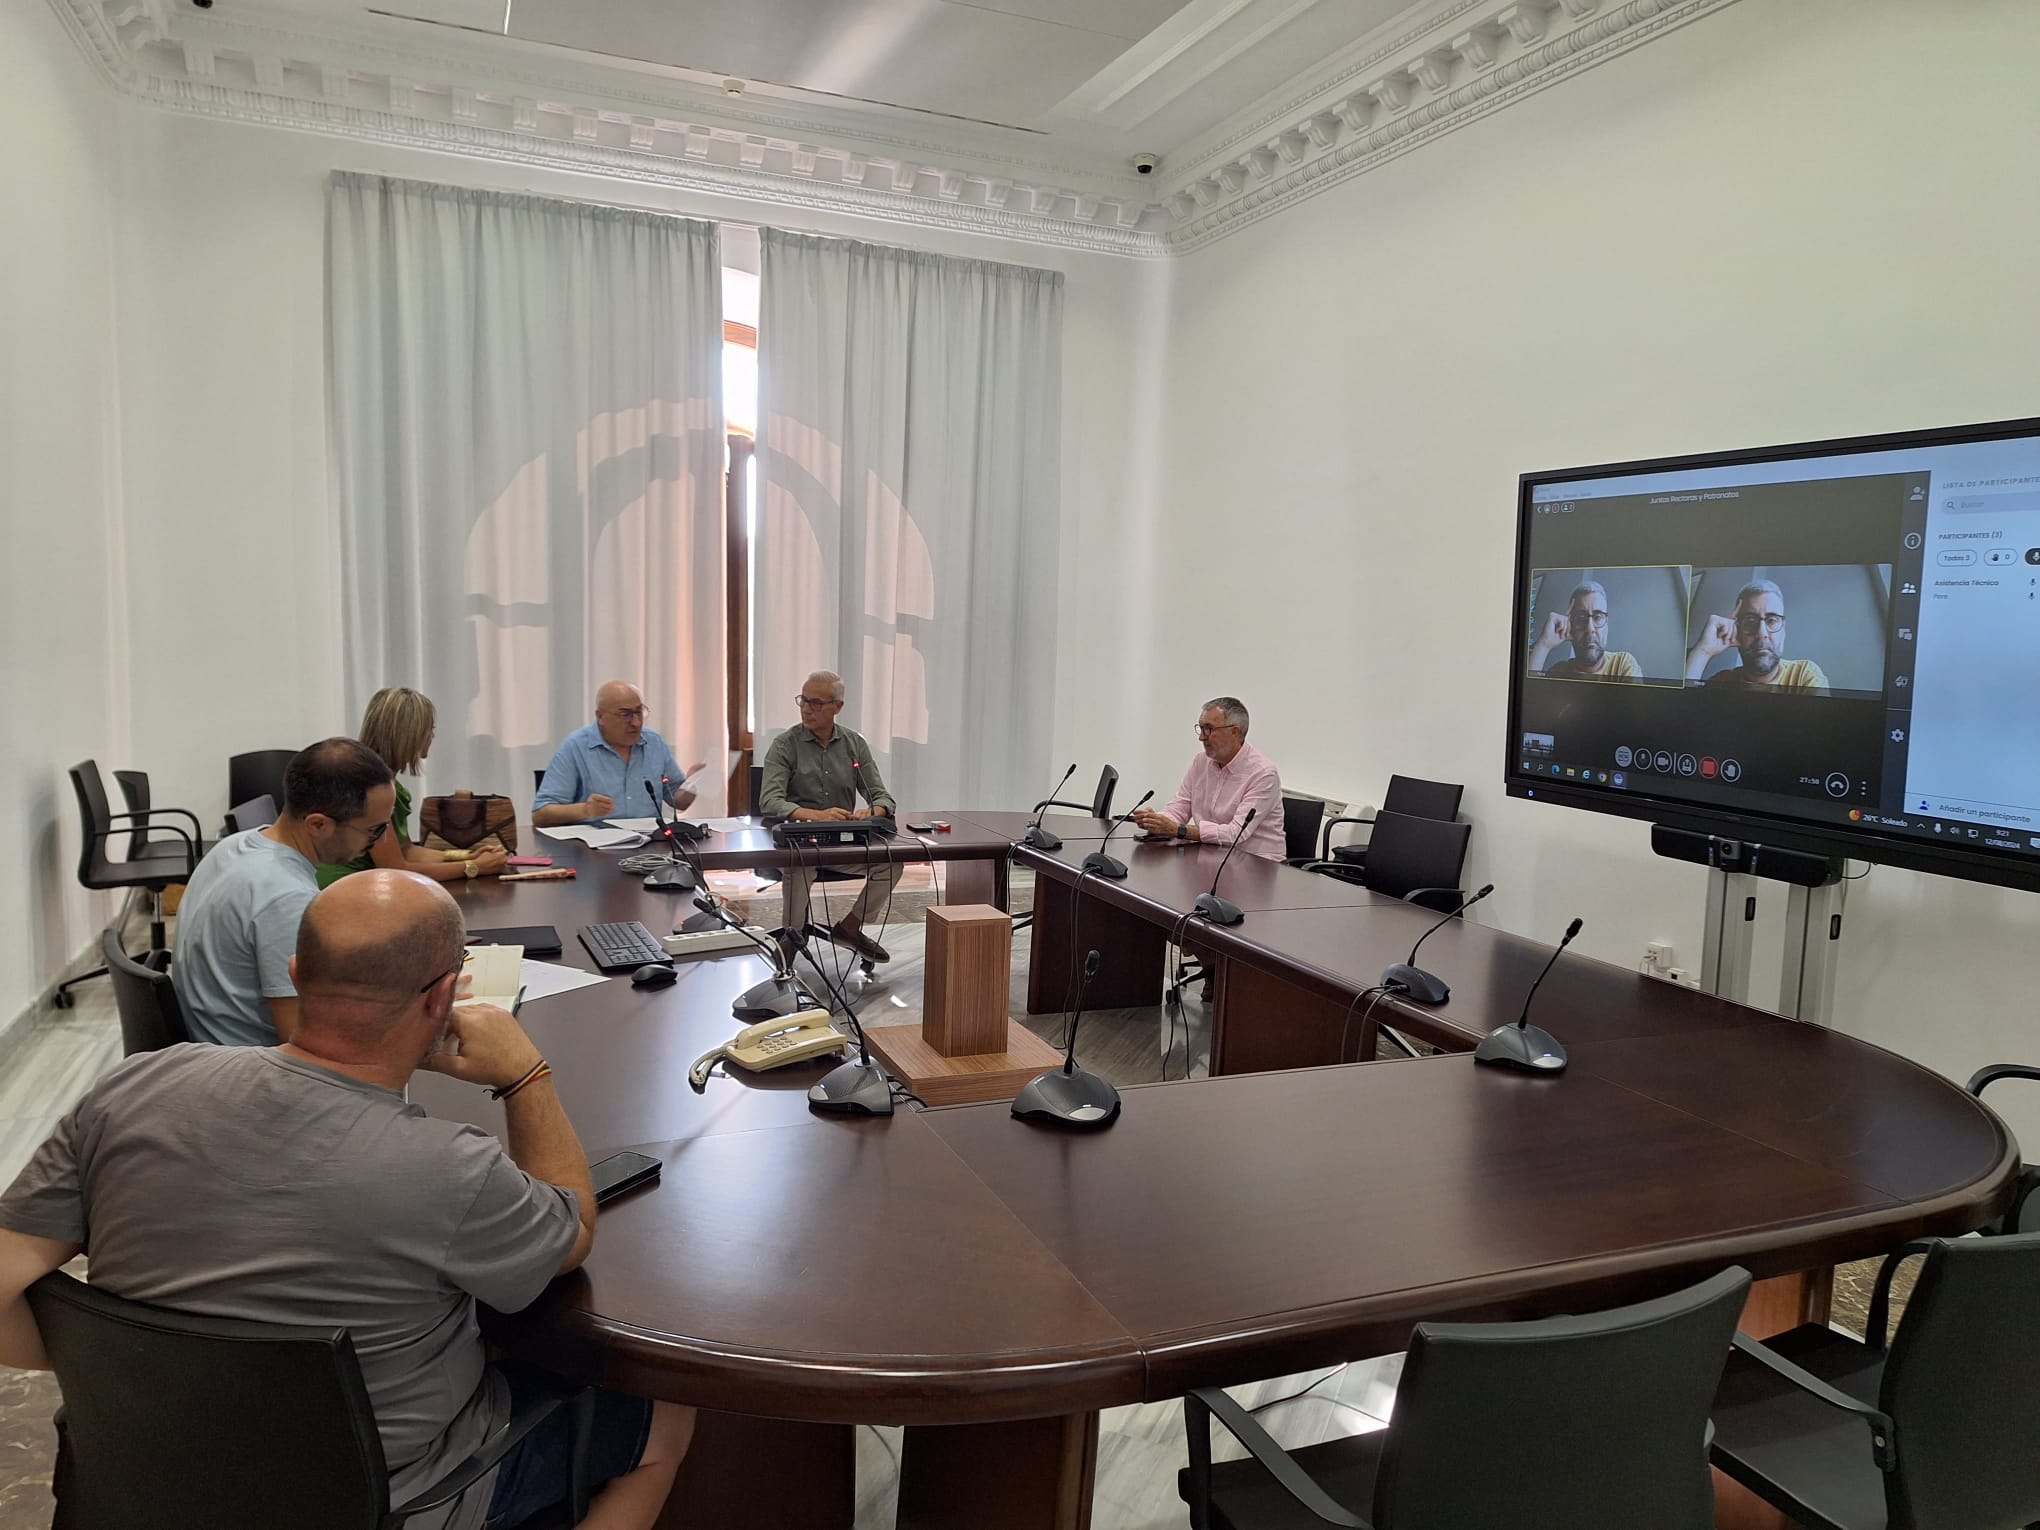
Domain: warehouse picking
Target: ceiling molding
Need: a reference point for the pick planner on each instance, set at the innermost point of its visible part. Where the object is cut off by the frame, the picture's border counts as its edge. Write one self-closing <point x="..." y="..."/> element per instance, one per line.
<point x="1428" y="73"/>
<point x="1387" y="96"/>
<point x="755" y="149"/>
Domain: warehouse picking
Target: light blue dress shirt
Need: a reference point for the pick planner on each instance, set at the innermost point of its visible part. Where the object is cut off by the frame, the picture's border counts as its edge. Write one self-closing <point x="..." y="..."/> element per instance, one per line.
<point x="584" y="765"/>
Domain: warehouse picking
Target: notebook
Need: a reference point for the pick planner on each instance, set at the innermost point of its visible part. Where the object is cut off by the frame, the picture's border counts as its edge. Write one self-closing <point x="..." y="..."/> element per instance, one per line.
<point x="536" y="939"/>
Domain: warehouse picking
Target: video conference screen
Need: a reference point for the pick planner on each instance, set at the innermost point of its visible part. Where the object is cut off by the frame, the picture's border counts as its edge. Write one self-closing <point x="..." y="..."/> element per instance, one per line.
<point x="1840" y="641"/>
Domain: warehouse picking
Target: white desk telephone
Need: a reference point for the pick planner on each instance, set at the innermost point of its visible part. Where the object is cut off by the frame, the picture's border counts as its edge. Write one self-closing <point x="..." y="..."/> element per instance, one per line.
<point x="772" y="1044"/>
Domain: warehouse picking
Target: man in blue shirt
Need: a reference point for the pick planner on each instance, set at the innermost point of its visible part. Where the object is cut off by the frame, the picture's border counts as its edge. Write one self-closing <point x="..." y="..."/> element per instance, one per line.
<point x="600" y="771"/>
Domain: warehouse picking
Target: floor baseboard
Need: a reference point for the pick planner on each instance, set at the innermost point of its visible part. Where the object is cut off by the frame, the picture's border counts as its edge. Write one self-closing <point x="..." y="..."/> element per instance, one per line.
<point x="15" y="1028"/>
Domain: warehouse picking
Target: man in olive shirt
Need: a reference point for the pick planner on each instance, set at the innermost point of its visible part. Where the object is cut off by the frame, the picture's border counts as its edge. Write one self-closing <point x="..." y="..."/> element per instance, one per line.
<point x="816" y="773"/>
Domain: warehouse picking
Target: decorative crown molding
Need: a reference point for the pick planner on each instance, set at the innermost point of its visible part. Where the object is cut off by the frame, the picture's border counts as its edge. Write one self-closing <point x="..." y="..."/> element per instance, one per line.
<point x="622" y="125"/>
<point x="1423" y="76"/>
<point x="1394" y="92"/>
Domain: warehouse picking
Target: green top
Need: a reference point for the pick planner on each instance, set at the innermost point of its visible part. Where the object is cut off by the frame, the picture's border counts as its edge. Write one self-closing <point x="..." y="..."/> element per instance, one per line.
<point x="399" y="821"/>
<point x="800" y="773"/>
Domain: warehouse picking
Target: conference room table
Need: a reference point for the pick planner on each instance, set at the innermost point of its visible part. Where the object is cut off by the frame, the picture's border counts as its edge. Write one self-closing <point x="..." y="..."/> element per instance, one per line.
<point x="992" y="1285"/>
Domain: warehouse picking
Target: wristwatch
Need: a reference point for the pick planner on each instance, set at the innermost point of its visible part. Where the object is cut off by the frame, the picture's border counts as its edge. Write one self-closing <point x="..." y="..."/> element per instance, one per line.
<point x="471" y="869"/>
<point x="1182" y="831"/>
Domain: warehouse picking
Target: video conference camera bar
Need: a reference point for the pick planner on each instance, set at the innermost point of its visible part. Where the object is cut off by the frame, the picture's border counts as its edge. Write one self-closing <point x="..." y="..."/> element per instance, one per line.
<point x="1744" y="857"/>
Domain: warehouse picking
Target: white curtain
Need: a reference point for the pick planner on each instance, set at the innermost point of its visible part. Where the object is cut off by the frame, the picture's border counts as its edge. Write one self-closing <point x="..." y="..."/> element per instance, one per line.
<point x="909" y="476"/>
<point x="528" y="446"/>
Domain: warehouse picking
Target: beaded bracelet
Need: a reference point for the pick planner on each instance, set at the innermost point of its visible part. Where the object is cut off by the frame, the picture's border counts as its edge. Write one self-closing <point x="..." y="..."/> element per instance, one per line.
<point x="542" y="1069"/>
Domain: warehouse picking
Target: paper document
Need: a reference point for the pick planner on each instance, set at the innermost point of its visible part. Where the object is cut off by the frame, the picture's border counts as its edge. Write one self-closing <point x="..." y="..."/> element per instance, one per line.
<point x="596" y="835"/>
<point x="634" y="825"/>
<point x="492" y="975"/>
<point x="542" y="980"/>
<point x="727" y="825"/>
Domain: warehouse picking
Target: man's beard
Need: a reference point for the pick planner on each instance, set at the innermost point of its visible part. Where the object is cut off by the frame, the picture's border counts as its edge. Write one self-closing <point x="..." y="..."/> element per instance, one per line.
<point x="1761" y="660"/>
<point x="1592" y="652"/>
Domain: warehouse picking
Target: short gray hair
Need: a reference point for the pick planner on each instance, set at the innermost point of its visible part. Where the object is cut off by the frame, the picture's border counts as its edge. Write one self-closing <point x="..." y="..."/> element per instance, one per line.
<point x="1587" y="587"/>
<point x="1235" y="711"/>
<point x="1759" y="587"/>
<point x="831" y="679"/>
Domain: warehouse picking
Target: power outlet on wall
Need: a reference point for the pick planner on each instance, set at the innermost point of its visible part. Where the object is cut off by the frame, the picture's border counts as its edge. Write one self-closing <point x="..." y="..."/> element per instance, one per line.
<point x="1657" y="960"/>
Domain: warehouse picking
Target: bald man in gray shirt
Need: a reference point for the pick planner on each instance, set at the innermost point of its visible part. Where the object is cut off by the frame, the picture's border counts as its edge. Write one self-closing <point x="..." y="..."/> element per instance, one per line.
<point x="296" y="1185"/>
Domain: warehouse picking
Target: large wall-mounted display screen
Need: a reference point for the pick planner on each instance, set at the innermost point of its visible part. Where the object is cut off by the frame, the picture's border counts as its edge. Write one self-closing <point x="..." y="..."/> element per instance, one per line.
<point x="1831" y="647"/>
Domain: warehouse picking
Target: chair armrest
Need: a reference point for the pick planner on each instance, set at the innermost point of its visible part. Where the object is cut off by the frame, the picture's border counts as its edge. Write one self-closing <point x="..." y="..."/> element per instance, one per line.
<point x="1442" y="900"/>
<point x="1339" y="869"/>
<point x="485" y="1459"/>
<point x="159" y="812"/>
<point x="1983" y="1078"/>
<point x="1883" y="1444"/>
<point x="190" y="840"/>
<point x="1325" y="833"/>
<point x="1081" y="807"/>
<point x="1876" y="1326"/>
<point x="1198" y="1408"/>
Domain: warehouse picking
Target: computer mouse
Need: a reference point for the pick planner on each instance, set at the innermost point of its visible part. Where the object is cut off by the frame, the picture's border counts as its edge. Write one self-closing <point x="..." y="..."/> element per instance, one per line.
<point x="654" y="975"/>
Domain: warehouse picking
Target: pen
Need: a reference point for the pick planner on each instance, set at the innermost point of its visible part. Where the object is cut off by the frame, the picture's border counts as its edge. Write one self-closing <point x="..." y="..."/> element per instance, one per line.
<point x="517" y="1003"/>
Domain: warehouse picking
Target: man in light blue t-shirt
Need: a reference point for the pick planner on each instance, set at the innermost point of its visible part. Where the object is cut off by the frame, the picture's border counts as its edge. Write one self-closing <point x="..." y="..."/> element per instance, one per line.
<point x="237" y="928"/>
<point x="601" y="771"/>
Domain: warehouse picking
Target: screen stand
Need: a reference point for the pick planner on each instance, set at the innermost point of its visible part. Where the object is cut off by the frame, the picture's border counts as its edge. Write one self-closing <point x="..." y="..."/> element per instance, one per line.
<point x="1813" y="931"/>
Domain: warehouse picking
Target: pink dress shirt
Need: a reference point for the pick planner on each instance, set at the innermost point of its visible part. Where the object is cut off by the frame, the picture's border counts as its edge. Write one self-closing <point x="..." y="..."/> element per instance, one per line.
<point x="1216" y="798"/>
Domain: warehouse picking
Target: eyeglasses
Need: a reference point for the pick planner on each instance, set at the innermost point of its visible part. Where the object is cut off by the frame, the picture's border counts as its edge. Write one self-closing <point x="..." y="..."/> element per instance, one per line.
<point x="814" y="701"/>
<point x="453" y="971"/>
<point x="631" y="714"/>
<point x="373" y="834"/>
<point x="1205" y="730"/>
<point x="1770" y="621"/>
<point x="1587" y="619"/>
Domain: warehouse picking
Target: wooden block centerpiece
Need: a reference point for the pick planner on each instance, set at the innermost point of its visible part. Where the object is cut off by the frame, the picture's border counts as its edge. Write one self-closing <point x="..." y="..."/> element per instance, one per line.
<point x="966" y="1048"/>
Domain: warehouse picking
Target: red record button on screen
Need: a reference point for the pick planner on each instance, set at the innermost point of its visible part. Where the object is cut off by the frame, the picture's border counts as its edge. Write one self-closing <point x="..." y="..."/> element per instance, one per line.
<point x="1708" y="766"/>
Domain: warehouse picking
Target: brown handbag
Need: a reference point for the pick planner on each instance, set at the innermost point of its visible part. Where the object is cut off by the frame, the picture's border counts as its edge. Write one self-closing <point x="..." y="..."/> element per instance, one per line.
<point x="465" y="821"/>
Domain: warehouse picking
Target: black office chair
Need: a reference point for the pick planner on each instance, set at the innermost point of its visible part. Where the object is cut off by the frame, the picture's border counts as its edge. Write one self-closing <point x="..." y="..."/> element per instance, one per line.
<point x="1411" y="796"/>
<point x="1934" y="1428"/>
<point x="1416" y="859"/>
<point x="134" y="790"/>
<point x="1100" y="805"/>
<point x="259" y="774"/>
<point x="100" y="872"/>
<point x="258" y="814"/>
<point x="538" y="778"/>
<point x="150" y="1016"/>
<point x="1301" y="817"/>
<point x="1569" y="1423"/>
<point x="2023" y="1215"/>
<point x="172" y="1421"/>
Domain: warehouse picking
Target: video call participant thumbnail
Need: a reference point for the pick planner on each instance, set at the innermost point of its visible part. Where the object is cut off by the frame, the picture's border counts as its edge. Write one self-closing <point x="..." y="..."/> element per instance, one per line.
<point x="1584" y="624"/>
<point x="1757" y="632"/>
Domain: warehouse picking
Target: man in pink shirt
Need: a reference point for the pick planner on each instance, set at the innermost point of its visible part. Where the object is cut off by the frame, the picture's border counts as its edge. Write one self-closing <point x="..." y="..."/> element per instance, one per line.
<point x="1222" y="783"/>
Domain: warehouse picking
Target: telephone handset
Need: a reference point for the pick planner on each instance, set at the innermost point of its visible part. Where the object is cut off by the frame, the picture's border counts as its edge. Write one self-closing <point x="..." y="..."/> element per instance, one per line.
<point x="771" y="1044"/>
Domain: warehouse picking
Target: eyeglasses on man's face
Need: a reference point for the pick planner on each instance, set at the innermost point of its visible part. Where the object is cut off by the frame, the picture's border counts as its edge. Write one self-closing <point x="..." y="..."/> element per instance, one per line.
<point x="1750" y="622"/>
<point x="814" y="701"/>
<point x="631" y="714"/>
<point x="1587" y="619"/>
<point x="369" y="836"/>
<point x="453" y="971"/>
<point x="1205" y="729"/>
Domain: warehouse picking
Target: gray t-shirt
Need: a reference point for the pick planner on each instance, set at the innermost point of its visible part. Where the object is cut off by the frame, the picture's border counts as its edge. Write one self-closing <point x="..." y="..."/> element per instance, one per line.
<point x="242" y="1183"/>
<point x="236" y="933"/>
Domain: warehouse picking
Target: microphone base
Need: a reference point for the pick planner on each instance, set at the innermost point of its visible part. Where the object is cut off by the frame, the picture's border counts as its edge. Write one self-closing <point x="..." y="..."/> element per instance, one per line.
<point x="769" y="1000"/>
<point x="1038" y="838"/>
<point x="680" y="828"/>
<point x="1099" y="864"/>
<point x="1416" y="985"/>
<point x="855" y="1089"/>
<point x="1217" y="910"/>
<point x="1079" y="1100"/>
<point x="678" y="877"/>
<point x="1526" y="1049"/>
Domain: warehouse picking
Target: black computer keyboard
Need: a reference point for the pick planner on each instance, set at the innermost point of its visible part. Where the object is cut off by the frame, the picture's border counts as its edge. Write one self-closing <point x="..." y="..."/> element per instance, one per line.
<point x="623" y="944"/>
<point x="834" y="831"/>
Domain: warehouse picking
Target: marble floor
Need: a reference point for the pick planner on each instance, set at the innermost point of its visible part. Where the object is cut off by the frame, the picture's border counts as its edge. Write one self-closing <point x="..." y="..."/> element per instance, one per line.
<point x="1140" y="1448"/>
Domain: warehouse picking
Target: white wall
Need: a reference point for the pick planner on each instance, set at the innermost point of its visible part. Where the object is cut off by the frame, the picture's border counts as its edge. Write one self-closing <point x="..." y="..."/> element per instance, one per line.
<point x="225" y="354"/>
<point x="62" y="688"/>
<point x="1784" y="222"/>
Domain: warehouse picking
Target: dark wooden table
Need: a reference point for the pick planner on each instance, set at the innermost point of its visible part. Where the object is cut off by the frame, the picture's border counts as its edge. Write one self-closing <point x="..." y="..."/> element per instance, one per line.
<point x="992" y="1285"/>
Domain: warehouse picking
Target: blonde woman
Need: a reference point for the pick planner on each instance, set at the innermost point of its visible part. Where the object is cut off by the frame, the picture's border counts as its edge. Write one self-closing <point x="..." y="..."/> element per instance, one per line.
<point x="399" y="725"/>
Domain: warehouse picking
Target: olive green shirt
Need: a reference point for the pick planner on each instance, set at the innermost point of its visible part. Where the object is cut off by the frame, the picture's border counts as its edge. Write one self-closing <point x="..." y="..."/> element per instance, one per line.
<point x="400" y="825"/>
<point x="801" y="773"/>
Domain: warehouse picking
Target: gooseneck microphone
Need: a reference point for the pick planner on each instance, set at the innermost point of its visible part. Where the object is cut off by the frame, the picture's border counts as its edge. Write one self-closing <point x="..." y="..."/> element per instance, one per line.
<point x="1525" y="1046"/>
<point x="677" y="876"/>
<point x="1098" y="863"/>
<point x="1069" y="1095"/>
<point x="780" y="994"/>
<point x="858" y="1088"/>
<point x="1036" y="836"/>
<point x="1413" y="982"/>
<point x="1210" y="905"/>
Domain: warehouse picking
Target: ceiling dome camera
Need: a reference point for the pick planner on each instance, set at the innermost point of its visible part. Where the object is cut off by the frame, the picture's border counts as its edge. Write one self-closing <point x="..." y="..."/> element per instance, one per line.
<point x="1144" y="164"/>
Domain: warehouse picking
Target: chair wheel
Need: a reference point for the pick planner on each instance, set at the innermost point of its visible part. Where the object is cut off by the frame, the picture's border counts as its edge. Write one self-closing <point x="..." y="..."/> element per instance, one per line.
<point x="870" y="968"/>
<point x="63" y="1000"/>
